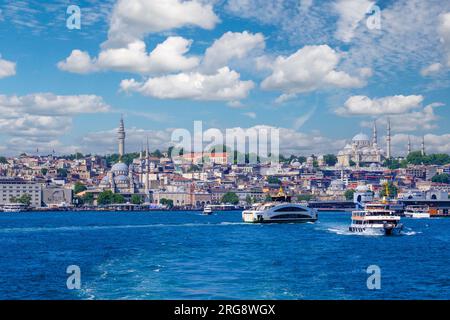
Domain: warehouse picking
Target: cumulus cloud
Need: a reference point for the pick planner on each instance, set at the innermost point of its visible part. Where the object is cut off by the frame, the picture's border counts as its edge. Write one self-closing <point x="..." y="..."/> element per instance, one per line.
<point x="39" y="120"/>
<point x="131" y="20"/>
<point x="434" y="143"/>
<point x="363" y="105"/>
<point x="231" y="45"/>
<point x="224" y="85"/>
<point x="421" y="119"/>
<point x="168" y="56"/>
<point x="350" y="12"/>
<point x="310" y="68"/>
<point x="7" y="68"/>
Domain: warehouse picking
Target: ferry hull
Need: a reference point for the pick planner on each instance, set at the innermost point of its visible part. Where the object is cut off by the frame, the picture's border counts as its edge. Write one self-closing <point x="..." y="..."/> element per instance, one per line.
<point x="377" y="231"/>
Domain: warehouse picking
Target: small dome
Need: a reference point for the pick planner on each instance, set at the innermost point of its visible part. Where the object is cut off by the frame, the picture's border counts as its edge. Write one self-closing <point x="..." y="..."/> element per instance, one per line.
<point x="121" y="179"/>
<point x="105" y="180"/>
<point x="360" y="137"/>
<point x="119" y="167"/>
<point x="362" y="188"/>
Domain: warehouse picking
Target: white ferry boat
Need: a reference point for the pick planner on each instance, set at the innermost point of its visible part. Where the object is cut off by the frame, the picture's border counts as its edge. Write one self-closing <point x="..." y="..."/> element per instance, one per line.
<point x="275" y="212"/>
<point x="417" y="212"/>
<point x="207" y="210"/>
<point x="14" y="207"/>
<point x="376" y="218"/>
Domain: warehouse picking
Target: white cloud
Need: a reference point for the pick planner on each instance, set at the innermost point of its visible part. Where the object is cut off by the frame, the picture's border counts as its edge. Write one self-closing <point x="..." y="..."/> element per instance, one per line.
<point x="444" y="32"/>
<point x="351" y="12"/>
<point x="251" y="115"/>
<point x="421" y="119"/>
<point x="363" y="105"/>
<point x="431" y="69"/>
<point x="310" y="68"/>
<point x="50" y="104"/>
<point x="231" y="45"/>
<point x="39" y="120"/>
<point x="131" y="20"/>
<point x="78" y="62"/>
<point x="433" y="143"/>
<point x="168" y="56"/>
<point x="224" y="85"/>
<point x="7" y="68"/>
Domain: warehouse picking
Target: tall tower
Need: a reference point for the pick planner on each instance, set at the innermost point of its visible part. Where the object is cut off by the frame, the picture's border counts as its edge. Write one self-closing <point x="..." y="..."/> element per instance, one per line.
<point x="374" y="134"/>
<point x="388" y="140"/>
<point x="121" y="138"/>
<point x="409" y="144"/>
<point x="423" y="145"/>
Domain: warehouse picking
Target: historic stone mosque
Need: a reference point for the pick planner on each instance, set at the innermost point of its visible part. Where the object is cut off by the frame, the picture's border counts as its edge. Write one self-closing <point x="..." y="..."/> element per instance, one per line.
<point x="361" y="151"/>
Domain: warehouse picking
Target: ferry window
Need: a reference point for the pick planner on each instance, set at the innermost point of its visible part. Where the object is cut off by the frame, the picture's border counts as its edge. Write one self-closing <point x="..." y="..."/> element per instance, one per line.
<point x="289" y="209"/>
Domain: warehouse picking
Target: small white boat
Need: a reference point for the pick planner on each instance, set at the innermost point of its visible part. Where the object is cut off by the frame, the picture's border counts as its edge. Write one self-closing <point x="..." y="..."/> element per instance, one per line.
<point x="276" y="212"/>
<point x="207" y="210"/>
<point x="376" y="218"/>
<point x="417" y="212"/>
<point x="14" y="207"/>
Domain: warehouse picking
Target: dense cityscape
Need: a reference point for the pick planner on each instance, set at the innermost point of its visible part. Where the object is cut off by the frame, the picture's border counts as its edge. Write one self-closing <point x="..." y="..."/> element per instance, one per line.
<point x="146" y="179"/>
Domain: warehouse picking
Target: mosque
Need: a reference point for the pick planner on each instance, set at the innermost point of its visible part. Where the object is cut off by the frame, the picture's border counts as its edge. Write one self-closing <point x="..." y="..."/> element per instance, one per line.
<point x="364" y="152"/>
<point x="121" y="178"/>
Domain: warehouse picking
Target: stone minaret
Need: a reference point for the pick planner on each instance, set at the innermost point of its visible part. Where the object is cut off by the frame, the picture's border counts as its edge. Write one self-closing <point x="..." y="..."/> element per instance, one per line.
<point x="409" y="144"/>
<point x="374" y="135"/>
<point x="121" y="138"/>
<point x="423" y="145"/>
<point x="388" y="140"/>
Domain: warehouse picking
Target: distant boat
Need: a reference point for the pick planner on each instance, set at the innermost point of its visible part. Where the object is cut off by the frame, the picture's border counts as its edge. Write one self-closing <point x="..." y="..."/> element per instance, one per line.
<point x="417" y="212"/>
<point x="14" y="207"/>
<point x="207" y="210"/>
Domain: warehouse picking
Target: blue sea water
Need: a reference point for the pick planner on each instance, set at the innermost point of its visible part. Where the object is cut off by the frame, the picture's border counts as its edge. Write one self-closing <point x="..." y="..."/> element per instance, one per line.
<point x="185" y="255"/>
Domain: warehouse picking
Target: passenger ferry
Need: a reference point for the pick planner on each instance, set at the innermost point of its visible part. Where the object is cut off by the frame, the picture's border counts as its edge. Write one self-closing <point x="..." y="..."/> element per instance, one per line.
<point x="417" y="212"/>
<point x="278" y="211"/>
<point x="376" y="218"/>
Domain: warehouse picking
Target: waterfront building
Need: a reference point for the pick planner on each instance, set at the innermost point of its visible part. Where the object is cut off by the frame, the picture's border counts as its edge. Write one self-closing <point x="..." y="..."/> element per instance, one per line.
<point x="11" y="188"/>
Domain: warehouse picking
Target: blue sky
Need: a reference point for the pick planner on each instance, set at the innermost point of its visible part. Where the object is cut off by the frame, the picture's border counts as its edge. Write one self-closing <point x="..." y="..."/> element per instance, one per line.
<point x="316" y="69"/>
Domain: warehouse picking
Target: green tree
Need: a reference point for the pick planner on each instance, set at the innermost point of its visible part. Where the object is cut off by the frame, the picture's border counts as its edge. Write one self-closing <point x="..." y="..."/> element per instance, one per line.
<point x="248" y="199"/>
<point x="441" y="178"/>
<point x="268" y="197"/>
<point x="304" y="197"/>
<point x="118" y="198"/>
<point x="3" y="160"/>
<point x="136" y="199"/>
<point x="61" y="172"/>
<point x="79" y="187"/>
<point x="166" y="202"/>
<point x="352" y="163"/>
<point x="273" y="180"/>
<point x="24" y="199"/>
<point x="330" y="159"/>
<point x="105" y="197"/>
<point x="88" y="198"/>
<point x="44" y="171"/>
<point x="349" y="194"/>
<point x="230" y="197"/>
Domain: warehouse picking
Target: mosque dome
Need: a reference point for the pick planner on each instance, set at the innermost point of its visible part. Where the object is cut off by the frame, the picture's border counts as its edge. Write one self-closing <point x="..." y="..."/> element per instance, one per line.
<point x="105" y="180"/>
<point x="360" y="137"/>
<point x="362" y="188"/>
<point x="121" y="179"/>
<point x="119" y="168"/>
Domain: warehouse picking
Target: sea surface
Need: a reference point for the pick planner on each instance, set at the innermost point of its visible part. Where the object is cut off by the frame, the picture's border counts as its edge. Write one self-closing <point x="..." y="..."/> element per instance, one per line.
<point x="185" y="255"/>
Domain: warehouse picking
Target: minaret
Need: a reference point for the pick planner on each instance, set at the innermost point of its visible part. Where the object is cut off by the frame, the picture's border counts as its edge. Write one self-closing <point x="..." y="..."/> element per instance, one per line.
<point x="147" y="170"/>
<point x="388" y="140"/>
<point x="374" y="135"/>
<point x="409" y="144"/>
<point x="423" y="145"/>
<point x="121" y="138"/>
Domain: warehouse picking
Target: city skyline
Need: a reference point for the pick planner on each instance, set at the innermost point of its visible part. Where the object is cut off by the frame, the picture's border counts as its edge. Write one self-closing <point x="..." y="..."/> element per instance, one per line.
<point x="226" y="63"/>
